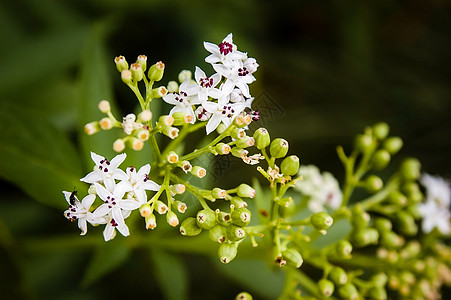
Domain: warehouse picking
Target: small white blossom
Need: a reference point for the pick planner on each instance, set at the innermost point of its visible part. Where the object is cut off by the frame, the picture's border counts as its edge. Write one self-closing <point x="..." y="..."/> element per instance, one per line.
<point x="184" y="100"/>
<point x="225" y="52"/>
<point x="222" y="112"/>
<point x="206" y="85"/>
<point x="106" y="171"/>
<point x="140" y="182"/>
<point x="236" y="76"/>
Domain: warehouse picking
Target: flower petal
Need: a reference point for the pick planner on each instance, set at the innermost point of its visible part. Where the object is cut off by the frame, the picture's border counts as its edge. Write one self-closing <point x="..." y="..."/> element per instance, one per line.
<point x="102" y="192"/>
<point x="96" y="158"/>
<point x="143" y="171"/>
<point x="109" y="233"/>
<point x="213" y="123"/>
<point x="88" y="201"/>
<point x="129" y="204"/>
<point x="101" y="211"/>
<point x="92" y="177"/>
<point x="117" y="160"/>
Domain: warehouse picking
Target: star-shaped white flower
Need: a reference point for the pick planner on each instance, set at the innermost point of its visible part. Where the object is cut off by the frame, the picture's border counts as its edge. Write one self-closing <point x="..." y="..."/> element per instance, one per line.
<point x="222" y="112"/>
<point x="140" y="182"/>
<point x="106" y="171"/>
<point x="437" y="189"/>
<point x="225" y="52"/>
<point x="114" y="206"/>
<point x="236" y="76"/>
<point x="207" y="85"/>
<point x="184" y="100"/>
<point x="434" y="216"/>
<point x="80" y="211"/>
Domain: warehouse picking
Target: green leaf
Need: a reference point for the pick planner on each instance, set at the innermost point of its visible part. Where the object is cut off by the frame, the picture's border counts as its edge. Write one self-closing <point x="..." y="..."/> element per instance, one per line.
<point x="337" y="232"/>
<point x="36" y="156"/>
<point x="106" y="258"/>
<point x="171" y="274"/>
<point x="262" y="200"/>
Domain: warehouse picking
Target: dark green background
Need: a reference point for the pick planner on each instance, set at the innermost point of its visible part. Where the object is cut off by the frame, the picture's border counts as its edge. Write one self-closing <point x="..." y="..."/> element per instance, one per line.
<point x="327" y="70"/>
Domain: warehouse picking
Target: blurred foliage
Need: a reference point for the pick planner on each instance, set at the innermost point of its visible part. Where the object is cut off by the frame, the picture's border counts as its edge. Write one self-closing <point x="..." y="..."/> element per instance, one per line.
<point x="327" y="69"/>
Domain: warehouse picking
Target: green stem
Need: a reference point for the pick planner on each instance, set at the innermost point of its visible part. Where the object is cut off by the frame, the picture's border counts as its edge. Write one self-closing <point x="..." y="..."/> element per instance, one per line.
<point x="135" y="90"/>
<point x="391" y="186"/>
<point x="187" y="129"/>
<point x="193" y="190"/>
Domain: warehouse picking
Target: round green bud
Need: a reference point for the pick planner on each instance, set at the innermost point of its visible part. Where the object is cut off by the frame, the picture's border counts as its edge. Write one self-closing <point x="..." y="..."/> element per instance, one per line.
<point x="262" y="138"/>
<point x="363" y="142"/>
<point x="287" y="207"/>
<point x="326" y="287"/>
<point x="241" y="216"/>
<point x="245" y="142"/>
<point x="137" y="72"/>
<point x="218" y="234"/>
<point x="389" y="239"/>
<point x="290" y="165"/>
<point x="412" y="249"/>
<point x="156" y="71"/>
<point x="293" y="257"/>
<point x="378" y="293"/>
<point x="189" y="227"/>
<point x="173" y="87"/>
<point x="224" y="218"/>
<point x="121" y="63"/>
<point x="338" y="276"/>
<point x="222" y="148"/>
<point x="321" y="220"/>
<point x="243" y="296"/>
<point x="406" y="223"/>
<point x="380" y="159"/>
<point x="126" y="76"/>
<point x="380" y="279"/>
<point x="413" y="192"/>
<point x="373" y="183"/>
<point x="245" y="190"/>
<point x="221" y="128"/>
<point x="227" y="252"/>
<point x="343" y="249"/>
<point x="239" y="152"/>
<point x="142" y="60"/>
<point x="397" y="198"/>
<point x="383" y="224"/>
<point x="179" y="118"/>
<point x="359" y="217"/>
<point x="206" y="219"/>
<point x="278" y="148"/>
<point x="235" y="233"/>
<point x="348" y="291"/>
<point x="365" y="236"/>
<point x="218" y="193"/>
<point x="237" y="202"/>
<point x="393" y="144"/>
<point x="410" y="169"/>
<point x="381" y="130"/>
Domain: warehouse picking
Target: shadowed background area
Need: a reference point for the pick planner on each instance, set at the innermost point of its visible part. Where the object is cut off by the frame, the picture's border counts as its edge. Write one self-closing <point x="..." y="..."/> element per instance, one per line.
<point x="326" y="71"/>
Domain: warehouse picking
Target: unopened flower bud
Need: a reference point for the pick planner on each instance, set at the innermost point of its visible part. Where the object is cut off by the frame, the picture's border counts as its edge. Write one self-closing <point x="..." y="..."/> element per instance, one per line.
<point x="222" y="148"/>
<point x="410" y="169"/>
<point x="343" y="249"/>
<point x="145" y="115"/>
<point x="186" y="166"/>
<point x="239" y="152"/>
<point x="173" y="87"/>
<point x="238" y="133"/>
<point x="278" y="148"/>
<point x="380" y="159"/>
<point x="245" y="142"/>
<point x="218" y="234"/>
<point x="227" y="252"/>
<point x="221" y="127"/>
<point x="158" y="92"/>
<point x="156" y="71"/>
<point x="121" y="63"/>
<point x="243" y="296"/>
<point x="262" y="138"/>
<point x="406" y="223"/>
<point x="218" y="193"/>
<point x="239" y="121"/>
<point x="378" y="293"/>
<point x="166" y="120"/>
<point x="237" y="202"/>
<point x="380" y="279"/>
<point x="245" y="190"/>
<point x="383" y="224"/>
<point x="381" y="130"/>
<point x="413" y="192"/>
<point x="184" y="75"/>
<point x="326" y="287"/>
<point x="397" y="198"/>
<point x="172" y="219"/>
<point x="145" y="210"/>
<point x="189" y="227"/>
<point x="363" y="142"/>
<point x="104" y="106"/>
<point x="142" y="60"/>
<point x="172" y="157"/>
<point x="106" y="123"/>
<point x="137" y="72"/>
<point x="290" y="165"/>
<point x="321" y="220"/>
<point x="338" y="276"/>
<point x="178" y="188"/>
<point x="199" y="172"/>
<point x="373" y="183"/>
<point x="151" y="222"/>
<point x="287" y="207"/>
<point x="223" y="217"/>
<point x="161" y="207"/>
<point x="126" y="76"/>
<point x="412" y="249"/>
<point x="393" y="144"/>
<point x="348" y="291"/>
<point x="241" y="216"/>
<point x="136" y="144"/>
<point x="92" y="127"/>
<point x="235" y="233"/>
<point x="170" y="132"/>
<point x="179" y="118"/>
<point x="180" y="206"/>
<point x="206" y="219"/>
<point x="365" y="236"/>
<point x="293" y="257"/>
<point x="390" y="239"/>
<point x="359" y="217"/>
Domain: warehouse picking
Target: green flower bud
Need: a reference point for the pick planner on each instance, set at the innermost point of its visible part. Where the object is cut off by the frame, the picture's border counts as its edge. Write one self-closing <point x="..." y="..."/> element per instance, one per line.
<point x="410" y="169"/>
<point x="393" y="144"/>
<point x="379" y="279"/>
<point x="287" y="207"/>
<point x="137" y="72"/>
<point x="293" y="257"/>
<point x="158" y="92"/>
<point x="166" y="120"/>
<point x="363" y="142"/>
<point x="373" y="183"/>
<point x="381" y="130"/>
<point x="218" y="234"/>
<point x="243" y="296"/>
<point x="326" y="287"/>
<point x="222" y="148"/>
<point x="227" y="252"/>
<point x="156" y="71"/>
<point x="413" y="192"/>
<point x="343" y="249"/>
<point x="239" y="152"/>
<point x="412" y="249"/>
<point x="365" y="236"/>
<point x="172" y="219"/>
<point x="126" y="76"/>
<point x="321" y="220"/>
<point x="142" y="60"/>
<point x="406" y="223"/>
<point x="290" y="165"/>
<point x="338" y="276"/>
<point x="241" y="216"/>
<point x="348" y="291"/>
<point x="245" y="190"/>
<point x="92" y="127"/>
<point x="198" y="171"/>
<point x="240" y="121"/>
<point x="383" y="224"/>
<point x="278" y="148"/>
<point x="245" y="142"/>
<point x="184" y="75"/>
<point x="237" y="202"/>
<point x="262" y="138"/>
<point x="173" y="87"/>
<point x="170" y="132"/>
<point x="238" y="133"/>
<point x="172" y="157"/>
<point x="224" y="218"/>
<point x="397" y="198"/>
<point x="206" y="219"/>
<point x="235" y="233"/>
<point x="378" y="293"/>
<point x="390" y="239"/>
<point x="407" y="277"/>
<point x="221" y="128"/>
<point x="179" y="118"/>
<point x="359" y="217"/>
<point x="380" y="159"/>
<point x="160" y="207"/>
<point x="151" y="222"/>
<point x="121" y="63"/>
<point x="218" y="193"/>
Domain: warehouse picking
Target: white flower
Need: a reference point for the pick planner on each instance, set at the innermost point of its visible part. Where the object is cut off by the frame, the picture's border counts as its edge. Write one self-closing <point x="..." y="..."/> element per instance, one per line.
<point x="225" y="52"/>
<point x="437" y="189"/>
<point x="202" y="114"/>
<point x="80" y="211"/>
<point x="222" y="112"/>
<point x="115" y="207"/>
<point x="184" y="100"/>
<point x="322" y="189"/>
<point x="207" y="85"/>
<point x="140" y="182"/>
<point x="106" y="171"/>
<point x="236" y="76"/>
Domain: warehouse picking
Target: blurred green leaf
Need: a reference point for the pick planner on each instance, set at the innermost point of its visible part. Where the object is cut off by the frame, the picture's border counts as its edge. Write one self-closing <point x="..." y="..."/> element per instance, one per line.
<point x="107" y="257"/>
<point x="171" y="274"/>
<point x="36" y="156"/>
<point x="337" y="232"/>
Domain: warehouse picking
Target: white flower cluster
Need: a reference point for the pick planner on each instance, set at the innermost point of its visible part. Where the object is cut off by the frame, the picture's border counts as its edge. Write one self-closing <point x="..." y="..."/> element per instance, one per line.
<point x="121" y="192"/>
<point x="321" y="189"/>
<point x="222" y="96"/>
<point x="435" y="209"/>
